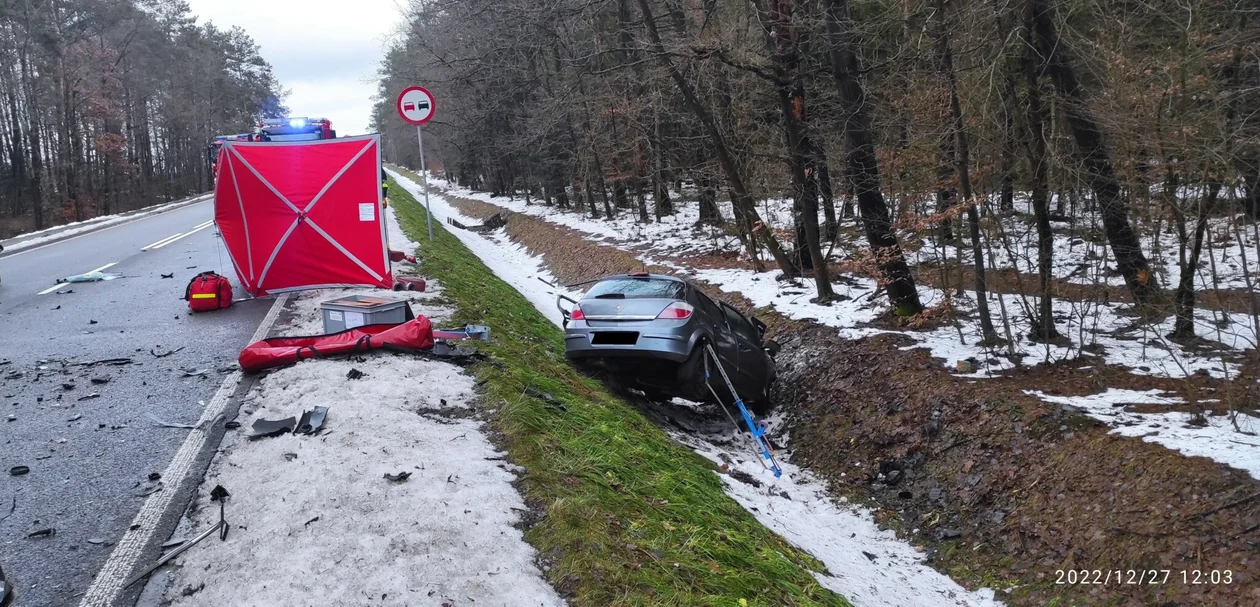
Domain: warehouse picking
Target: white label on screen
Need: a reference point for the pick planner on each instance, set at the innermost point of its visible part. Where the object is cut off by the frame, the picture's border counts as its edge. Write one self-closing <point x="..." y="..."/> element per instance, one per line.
<point x="335" y="315"/>
<point x="354" y="319"/>
<point x="367" y="211"/>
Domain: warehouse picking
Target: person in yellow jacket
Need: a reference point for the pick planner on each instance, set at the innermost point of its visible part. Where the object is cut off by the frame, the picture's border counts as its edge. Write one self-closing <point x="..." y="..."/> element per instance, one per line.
<point x="384" y="188"/>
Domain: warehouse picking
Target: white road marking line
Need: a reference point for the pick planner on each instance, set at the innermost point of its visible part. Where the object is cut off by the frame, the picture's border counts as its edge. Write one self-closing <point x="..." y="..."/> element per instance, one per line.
<point x="120" y="224"/>
<point x="163" y="241"/>
<point x="122" y="561"/>
<point x="196" y="229"/>
<point x="62" y="285"/>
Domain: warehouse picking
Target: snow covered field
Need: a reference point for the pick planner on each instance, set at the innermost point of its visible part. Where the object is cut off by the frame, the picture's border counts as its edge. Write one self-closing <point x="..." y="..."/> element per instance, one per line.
<point x="795" y="506"/>
<point x="1210" y="436"/>
<point x="316" y="516"/>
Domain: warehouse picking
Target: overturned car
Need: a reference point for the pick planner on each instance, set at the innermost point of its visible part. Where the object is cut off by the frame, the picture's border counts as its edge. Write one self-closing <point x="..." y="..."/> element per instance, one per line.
<point x="650" y="332"/>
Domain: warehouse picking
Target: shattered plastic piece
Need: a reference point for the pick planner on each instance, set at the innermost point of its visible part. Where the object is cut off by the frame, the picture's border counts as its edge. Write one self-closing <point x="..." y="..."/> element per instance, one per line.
<point x="164" y="354"/>
<point x="196" y="372"/>
<point x="90" y="396"/>
<point x="232" y="425"/>
<point x="19" y="470"/>
<point x="49" y="532"/>
<point x="148" y="489"/>
<point x="312" y="421"/>
<point x="171" y="275"/>
<point x="154" y="476"/>
<point x="355" y="374"/>
<point x="12" y="508"/>
<point x="76" y="418"/>
<point x="290" y="456"/>
<point x="397" y="478"/>
<point x="165" y="424"/>
<point x="89" y="277"/>
<point x="174" y="543"/>
<point x="96" y="541"/>
<point x="307" y="523"/>
<point x="272" y="427"/>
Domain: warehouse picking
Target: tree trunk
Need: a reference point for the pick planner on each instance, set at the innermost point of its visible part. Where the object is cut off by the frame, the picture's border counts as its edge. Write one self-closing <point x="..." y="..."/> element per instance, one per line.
<point x="961" y="156"/>
<point x="831" y="228"/>
<point x="862" y="168"/>
<point x="1183" y="302"/>
<point x="709" y="212"/>
<point x="1093" y="155"/>
<point x="1043" y="324"/>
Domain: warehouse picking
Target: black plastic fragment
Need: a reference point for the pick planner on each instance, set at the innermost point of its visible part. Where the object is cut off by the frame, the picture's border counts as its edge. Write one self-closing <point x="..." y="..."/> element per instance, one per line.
<point x="49" y="532"/>
<point x="397" y="478"/>
<point x="19" y="470"/>
<point x="272" y="427"/>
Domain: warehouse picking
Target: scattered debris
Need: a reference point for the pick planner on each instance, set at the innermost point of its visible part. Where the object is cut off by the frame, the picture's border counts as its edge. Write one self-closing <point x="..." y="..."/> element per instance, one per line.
<point x="12" y="508"/>
<point x="264" y="428"/>
<point x="397" y="478"/>
<point x="868" y="555"/>
<point x="355" y="374"/>
<point x="290" y="456"/>
<point x="307" y="523"/>
<point x="89" y="277"/>
<point x="67" y="386"/>
<point x="66" y="292"/>
<point x="19" y="470"/>
<point x="49" y="532"/>
<point x="218" y="494"/>
<point x="171" y="275"/>
<point x="147" y="489"/>
<point x="12" y="417"/>
<point x="75" y="418"/>
<point x="90" y="396"/>
<point x="14" y="375"/>
<point x="92" y="322"/>
<point x="165" y="354"/>
<point x="155" y="476"/>
<point x="104" y="379"/>
<point x="174" y="543"/>
<point x="115" y="362"/>
<point x="165" y="424"/>
<point x="95" y="541"/>
<point x="312" y="421"/>
<point x="196" y="372"/>
<point x="232" y="425"/>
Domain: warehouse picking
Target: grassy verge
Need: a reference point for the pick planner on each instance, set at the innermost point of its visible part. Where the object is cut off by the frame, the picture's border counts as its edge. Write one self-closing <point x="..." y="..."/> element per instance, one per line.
<point x="631" y="518"/>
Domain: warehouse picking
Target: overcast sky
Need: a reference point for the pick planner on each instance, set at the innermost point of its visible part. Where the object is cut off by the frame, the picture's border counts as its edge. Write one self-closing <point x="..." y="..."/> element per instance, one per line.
<point x="324" y="52"/>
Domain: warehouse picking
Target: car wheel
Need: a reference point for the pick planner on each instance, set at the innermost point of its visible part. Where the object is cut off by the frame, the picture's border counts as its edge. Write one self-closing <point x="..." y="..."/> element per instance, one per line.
<point x="762" y="404"/>
<point x="691" y="378"/>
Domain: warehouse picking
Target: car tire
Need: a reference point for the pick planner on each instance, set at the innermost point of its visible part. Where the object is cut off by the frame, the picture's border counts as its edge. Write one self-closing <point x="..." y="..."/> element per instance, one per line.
<point x="762" y="404"/>
<point x="691" y="375"/>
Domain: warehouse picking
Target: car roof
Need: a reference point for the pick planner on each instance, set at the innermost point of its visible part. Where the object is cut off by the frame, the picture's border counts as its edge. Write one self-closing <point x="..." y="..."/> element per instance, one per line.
<point x="643" y="275"/>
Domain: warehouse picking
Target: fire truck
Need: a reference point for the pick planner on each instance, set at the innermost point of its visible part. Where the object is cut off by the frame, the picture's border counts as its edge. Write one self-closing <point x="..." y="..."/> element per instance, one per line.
<point x="275" y="129"/>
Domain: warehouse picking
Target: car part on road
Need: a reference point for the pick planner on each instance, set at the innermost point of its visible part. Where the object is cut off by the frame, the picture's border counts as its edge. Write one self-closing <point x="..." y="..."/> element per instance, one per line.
<point x="264" y="428"/>
<point x="165" y="424"/>
<point x="19" y="470"/>
<point x="479" y="332"/>
<point x="155" y="353"/>
<point x="89" y="277"/>
<point x="355" y="374"/>
<point x="49" y="532"/>
<point x="755" y="429"/>
<point x="218" y="494"/>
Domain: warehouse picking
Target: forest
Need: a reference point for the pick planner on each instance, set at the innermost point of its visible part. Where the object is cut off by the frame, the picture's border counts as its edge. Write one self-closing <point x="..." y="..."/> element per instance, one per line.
<point x="109" y="105"/>
<point x="1134" y="125"/>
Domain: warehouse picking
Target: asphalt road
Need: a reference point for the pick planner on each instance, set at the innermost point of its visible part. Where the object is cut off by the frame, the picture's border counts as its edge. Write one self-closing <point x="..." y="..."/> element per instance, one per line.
<point x="91" y="446"/>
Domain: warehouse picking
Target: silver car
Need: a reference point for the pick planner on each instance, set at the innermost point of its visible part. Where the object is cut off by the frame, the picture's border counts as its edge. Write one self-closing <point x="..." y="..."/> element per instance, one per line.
<point x="649" y="331"/>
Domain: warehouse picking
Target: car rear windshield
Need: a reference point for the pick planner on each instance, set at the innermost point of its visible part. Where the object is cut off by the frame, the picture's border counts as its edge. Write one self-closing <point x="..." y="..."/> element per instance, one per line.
<point x="637" y="288"/>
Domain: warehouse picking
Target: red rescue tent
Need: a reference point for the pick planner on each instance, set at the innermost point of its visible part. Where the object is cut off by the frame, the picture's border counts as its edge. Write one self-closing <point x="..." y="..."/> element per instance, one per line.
<point x="303" y="214"/>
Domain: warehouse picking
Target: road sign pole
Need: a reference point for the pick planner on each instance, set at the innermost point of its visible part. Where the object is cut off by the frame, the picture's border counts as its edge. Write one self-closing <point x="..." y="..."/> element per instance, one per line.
<point x="424" y="175"/>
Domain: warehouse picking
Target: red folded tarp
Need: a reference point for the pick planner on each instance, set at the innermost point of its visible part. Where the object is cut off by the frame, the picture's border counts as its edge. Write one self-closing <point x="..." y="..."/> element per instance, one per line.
<point x="410" y="336"/>
<point x="303" y="214"/>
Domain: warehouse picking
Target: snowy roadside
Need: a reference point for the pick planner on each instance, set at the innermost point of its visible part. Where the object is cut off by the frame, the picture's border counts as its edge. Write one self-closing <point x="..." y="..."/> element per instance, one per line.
<point x="316" y="516"/>
<point x="35" y="239"/>
<point x="796" y="507"/>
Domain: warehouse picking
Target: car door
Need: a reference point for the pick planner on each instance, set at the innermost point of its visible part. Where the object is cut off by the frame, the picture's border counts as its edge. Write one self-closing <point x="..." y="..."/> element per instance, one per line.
<point x="751" y="371"/>
<point x="724" y="342"/>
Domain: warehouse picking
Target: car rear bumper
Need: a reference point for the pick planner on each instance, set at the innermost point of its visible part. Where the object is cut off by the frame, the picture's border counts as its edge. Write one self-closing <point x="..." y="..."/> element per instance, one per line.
<point x="673" y="348"/>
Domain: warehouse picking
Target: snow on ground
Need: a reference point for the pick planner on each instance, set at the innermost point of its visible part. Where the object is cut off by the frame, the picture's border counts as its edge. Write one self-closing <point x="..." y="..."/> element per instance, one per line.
<point x="1210" y="436"/>
<point x="796" y="506"/>
<point x="313" y="516"/>
<point x="833" y="533"/>
<point x="34" y="239"/>
<point x="1142" y="349"/>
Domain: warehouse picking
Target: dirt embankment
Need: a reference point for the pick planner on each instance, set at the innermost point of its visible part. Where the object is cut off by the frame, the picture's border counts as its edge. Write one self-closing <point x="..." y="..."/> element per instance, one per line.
<point x="1000" y="488"/>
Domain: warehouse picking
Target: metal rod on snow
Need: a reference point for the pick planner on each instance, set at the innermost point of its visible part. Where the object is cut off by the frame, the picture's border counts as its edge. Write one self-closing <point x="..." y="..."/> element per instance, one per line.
<point x="424" y="175"/>
<point x="758" y="434"/>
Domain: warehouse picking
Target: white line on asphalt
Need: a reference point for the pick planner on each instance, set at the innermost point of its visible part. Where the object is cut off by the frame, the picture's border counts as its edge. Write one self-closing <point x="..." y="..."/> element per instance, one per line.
<point x="197" y="228"/>
<point x="122" y="561"/>
<point x="160" y="242"/>
<point x="62" y="285"/>
<point x="120" y="224"/>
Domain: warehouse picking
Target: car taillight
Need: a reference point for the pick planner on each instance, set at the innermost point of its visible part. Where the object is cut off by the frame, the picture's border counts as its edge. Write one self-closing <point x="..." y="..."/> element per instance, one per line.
<point x="577" y="313"/>
<point x="677" y="311"/>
